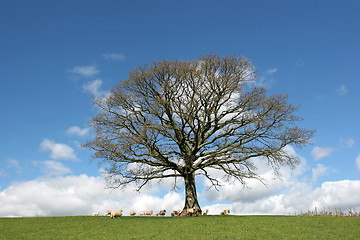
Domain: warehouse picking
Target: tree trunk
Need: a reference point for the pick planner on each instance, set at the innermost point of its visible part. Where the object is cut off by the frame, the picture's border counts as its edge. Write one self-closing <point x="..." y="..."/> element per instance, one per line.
<point x="191" y="201"/>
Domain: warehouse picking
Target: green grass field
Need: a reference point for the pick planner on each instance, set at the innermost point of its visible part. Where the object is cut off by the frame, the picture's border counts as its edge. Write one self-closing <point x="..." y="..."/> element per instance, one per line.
<point x="204" y="227"/>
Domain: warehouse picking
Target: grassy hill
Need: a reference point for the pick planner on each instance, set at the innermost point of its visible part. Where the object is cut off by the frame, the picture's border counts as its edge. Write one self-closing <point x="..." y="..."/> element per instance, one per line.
<point x="204" y="227"/>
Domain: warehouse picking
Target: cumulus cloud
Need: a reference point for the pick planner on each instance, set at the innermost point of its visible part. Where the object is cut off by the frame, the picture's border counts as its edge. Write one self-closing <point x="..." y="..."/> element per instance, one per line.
<point x="49" y="197"/>
<point x="84" y="71"/>
<point x="58" y="151"/>
<point x="357" y="162"/>
<point x="77" y="131"/>
<point x="94" y="88"/>
<point x="114" y="57"/>
<point x="78" y="195"/>
<point x="235" y="191"/>
<point x="59" y="194"/>
<point x="319" y="152"/>
<point x="54" y="168"/>
<point x="254" y="189"/>
<point x="319" y="171"/>
<point x="341" y="194"/>
<point x="82" y="195"/>
<point x="282" y="196"/>
<point x="342" y="90"/>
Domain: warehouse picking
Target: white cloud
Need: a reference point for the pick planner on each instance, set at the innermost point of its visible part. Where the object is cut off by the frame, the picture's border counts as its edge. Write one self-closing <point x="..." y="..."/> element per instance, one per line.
<point x="319" y="171"/>
<point x="254" y="189"/>
<point x="54" y="168"/>
<point x="346" y="143"/>
<point x="266" y="79"/>
<point x="82" y="195"/>
<point x="319" y="152"/>
<point x="341" y="194"/>
<point x="114" y="57"/>
<point x="342" y="90"/>
<point x="93" y="87"/>
<point x="271" y="71"/>
<point x="236" y="192"/>
<point x="79" y="195"/>
<point x="48" y="197"/>
<point x="285" y="195"/>
<point x="357" y="161"/>
<point x="77" y="131"/>
<point x="58" y="151"/>
<point x="55" y="195"/>
<point x="350" y="143"/>
<point x="13" y="163"/>
<point x="85" y="71"/>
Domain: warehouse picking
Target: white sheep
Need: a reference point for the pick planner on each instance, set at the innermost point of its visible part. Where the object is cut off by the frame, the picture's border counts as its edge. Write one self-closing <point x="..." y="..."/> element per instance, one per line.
<point x="132" y="213"/>
<point x="148" y="213"/>
<point x="95" y="214"/>
<point x="225" y="212"/>
<point x="204" y="213"/>
<point x="115" y="214"/>
<point x="107" y="213"/>
<point x="189" y="212"/>
<point x="175" y="213"/>
<point x="161" y="213"/>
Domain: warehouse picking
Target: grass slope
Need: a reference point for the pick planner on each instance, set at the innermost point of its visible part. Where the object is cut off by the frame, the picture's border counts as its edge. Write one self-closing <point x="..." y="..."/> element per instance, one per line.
<point x="205" y="227"/>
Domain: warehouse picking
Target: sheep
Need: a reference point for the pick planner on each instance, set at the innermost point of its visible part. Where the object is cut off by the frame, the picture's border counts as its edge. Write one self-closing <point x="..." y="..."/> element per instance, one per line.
<point x="148" y="213"/>
<point x="204" y="213"/>
<point x="95" y="214"/>
<point x="175" y="213"/>
<point x="142" y="214"/>
<point x="225" y="212"/>
<point x="107" y="213"/>
<point x="190" y="212"/>
<point x="132" y="213"/>
<point x="115" y="214"/>
<point x="162" y="212"/>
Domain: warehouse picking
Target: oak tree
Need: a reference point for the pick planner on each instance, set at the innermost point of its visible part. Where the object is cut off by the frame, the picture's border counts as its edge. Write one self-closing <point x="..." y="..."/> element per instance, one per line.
<point x="179" y="119"/>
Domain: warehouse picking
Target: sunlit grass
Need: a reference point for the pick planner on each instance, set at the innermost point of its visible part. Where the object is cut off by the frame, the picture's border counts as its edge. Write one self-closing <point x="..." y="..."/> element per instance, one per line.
<point x="204" y="227"/>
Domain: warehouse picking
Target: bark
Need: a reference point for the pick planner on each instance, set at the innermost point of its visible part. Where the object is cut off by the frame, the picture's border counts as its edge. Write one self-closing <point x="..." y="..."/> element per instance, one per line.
<point x="191" y="200"/>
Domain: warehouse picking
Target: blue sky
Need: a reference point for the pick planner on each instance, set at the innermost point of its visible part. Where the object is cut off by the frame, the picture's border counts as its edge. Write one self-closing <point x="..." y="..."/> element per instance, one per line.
<point x="56" y="55"/>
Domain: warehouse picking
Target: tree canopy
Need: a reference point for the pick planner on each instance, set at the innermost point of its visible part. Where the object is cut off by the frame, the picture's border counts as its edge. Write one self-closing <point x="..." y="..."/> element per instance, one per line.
<point x="178" y="119"/>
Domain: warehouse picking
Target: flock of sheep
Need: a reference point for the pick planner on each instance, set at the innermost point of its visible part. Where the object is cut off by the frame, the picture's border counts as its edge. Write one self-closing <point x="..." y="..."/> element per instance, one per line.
<point x="189" y="212"/>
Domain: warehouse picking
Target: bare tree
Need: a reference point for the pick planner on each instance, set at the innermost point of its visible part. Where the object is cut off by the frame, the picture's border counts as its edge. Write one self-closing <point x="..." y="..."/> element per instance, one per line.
<point x="178" y="119"/>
